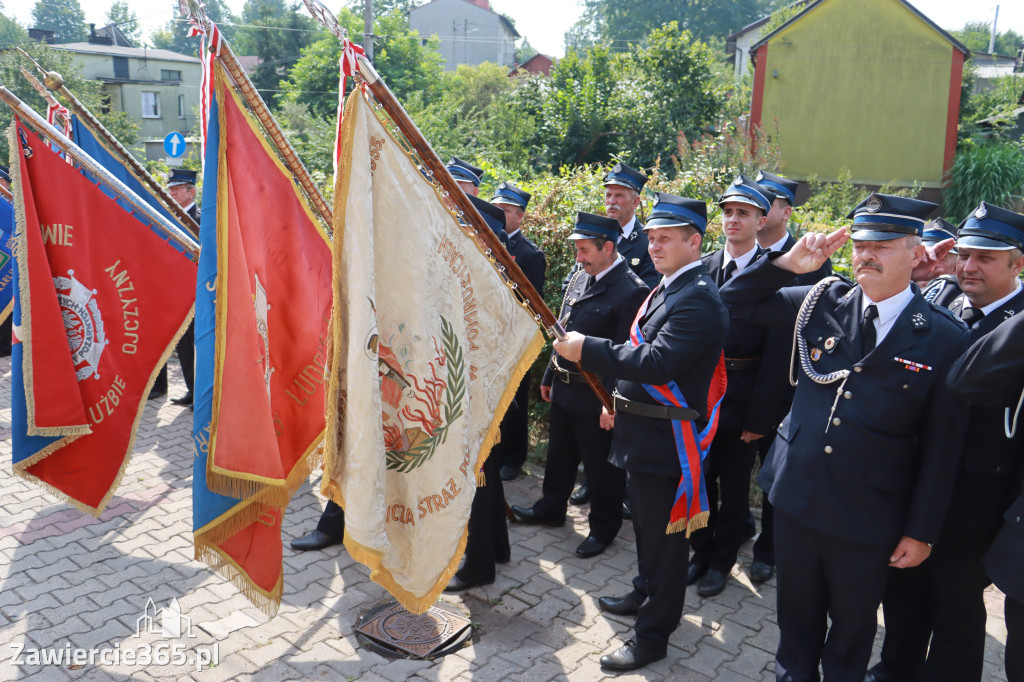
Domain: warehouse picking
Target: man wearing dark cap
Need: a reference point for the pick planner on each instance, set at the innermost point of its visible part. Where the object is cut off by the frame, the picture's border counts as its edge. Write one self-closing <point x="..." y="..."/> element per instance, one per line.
<point x="991" y="373"/>
<point x="745" y="206"/>
<point x="861" y="471"/>
<point x="943" y="599"/>
<point x="943" y="289"/>
<point x="773" y="394"/>
<point x="601" y="301"/>
<point x="487" y="544"/>
<point x="466" y="174"/>
<point x="181" y="185"/>
<point x="622" y="187"/>
<point x="664" y="375"/>
<point x="530" y="259"/>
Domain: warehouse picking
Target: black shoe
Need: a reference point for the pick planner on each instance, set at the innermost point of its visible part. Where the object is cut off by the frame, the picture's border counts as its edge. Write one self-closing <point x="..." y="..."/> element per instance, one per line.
<point x="630" y="657"/>
<point x="712" y="583"/>
<point x="760" y="572"/>
<point x="509" y="473"/>
<point x="581" y="496"/>
<point x="620" y="606"/>
<point x="157" y="393"/>
<point x="314" y="540"/>
<point x="529" y="516"/>
<point x="458" y="584"/>
<point x="591" y="547"/>
<point x="697" y="569"/>
<point x="183" y="400"/>
<point x="627" y="513"/>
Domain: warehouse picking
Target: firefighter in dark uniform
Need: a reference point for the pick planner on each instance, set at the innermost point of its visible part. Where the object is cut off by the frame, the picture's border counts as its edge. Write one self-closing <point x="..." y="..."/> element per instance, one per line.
<point x="601" y="301"/>
<point x="466" y="174"/>
<point x="991" y="373"/>
<point x="530" y="259"/>
<point x="943" y="600"/>
<point x="943" y="289"/>
<point x="745" y="206"/>
<point x="487" y="544"/>
<point x="674" y="350"/>
<point x="181" y="185"/>
<point x="862" y="468"/>
<point x="773" y="393"/>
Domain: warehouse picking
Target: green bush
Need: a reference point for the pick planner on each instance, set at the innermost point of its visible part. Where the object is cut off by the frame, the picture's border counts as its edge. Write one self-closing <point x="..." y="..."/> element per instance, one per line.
<point x="992" y="172"/>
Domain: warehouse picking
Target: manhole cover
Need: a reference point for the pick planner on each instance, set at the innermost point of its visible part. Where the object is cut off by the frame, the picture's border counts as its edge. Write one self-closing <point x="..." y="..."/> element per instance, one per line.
<point x="393" y="631"/>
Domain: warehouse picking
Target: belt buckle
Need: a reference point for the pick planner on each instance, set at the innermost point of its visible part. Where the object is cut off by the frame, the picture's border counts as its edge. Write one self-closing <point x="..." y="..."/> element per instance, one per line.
<point x="565" y="377"/>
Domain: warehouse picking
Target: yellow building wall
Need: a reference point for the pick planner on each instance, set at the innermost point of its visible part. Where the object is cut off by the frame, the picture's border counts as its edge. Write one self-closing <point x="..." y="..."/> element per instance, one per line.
<point x="861" y="85"/>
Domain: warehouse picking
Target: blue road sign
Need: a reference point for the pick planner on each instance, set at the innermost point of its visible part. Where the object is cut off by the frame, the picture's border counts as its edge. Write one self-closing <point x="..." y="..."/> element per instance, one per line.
<point x="174" y="144"/>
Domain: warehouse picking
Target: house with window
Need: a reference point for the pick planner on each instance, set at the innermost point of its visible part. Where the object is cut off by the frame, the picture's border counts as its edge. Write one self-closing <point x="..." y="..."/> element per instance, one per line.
<point x="158" y="89"/>
<point x="469" y="32"/>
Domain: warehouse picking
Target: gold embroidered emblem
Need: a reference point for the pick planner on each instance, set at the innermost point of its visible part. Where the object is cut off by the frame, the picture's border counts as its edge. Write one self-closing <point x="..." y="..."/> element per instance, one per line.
<point x="815" y="354"/>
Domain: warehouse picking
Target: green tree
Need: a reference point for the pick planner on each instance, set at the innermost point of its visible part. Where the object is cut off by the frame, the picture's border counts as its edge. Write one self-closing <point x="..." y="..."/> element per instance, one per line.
<point x="524" y="51"/>
<point x="576" y="127"/>
<point x="64" y="17"/>
<point x="125" y="19"/>
<point x="11" y="33"/>
<point x="87" y="90"/>
<point x="276" y="33"/>
<point x="174" y="35"/>
<point x="975" y="35"/>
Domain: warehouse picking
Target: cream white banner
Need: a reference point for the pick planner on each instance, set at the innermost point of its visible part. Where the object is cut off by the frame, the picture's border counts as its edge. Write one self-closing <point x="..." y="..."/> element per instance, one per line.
<point x="428" y="347"/>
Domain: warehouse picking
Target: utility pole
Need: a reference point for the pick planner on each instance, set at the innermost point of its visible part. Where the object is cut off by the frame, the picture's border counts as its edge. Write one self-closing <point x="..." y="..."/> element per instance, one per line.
<point x="992" y="38"/>
<point x="368" y="29"/>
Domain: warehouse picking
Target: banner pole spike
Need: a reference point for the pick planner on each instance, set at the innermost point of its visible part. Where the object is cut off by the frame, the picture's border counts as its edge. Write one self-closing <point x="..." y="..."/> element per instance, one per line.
<point x="116" y="149"/>
<point x="54" y="136"/>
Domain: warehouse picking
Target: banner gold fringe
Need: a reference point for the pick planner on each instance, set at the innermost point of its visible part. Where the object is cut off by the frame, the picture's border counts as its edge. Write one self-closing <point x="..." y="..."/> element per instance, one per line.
<point x="267" y="602"/>
<point x="695" y="523"/>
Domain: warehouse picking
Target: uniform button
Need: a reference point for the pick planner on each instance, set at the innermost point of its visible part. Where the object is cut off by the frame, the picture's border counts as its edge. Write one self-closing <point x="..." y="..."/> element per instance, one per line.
<point x="858" y="368"/>
<point x="999" y="469"/>
<point x="847" y="395"/>
<point x="828" y="449"/>
<point x="906" y="386"/>
<point x="1017" y="520"/>
<point x="837" y="421"/>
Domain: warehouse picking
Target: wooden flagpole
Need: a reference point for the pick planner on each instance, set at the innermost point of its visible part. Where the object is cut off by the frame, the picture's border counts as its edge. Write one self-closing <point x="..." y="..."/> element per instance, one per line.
<point x="506" y="264"/>
<point x="6" y="194"/>
<point x="32" y="119"/>
<point x="54" y="81"/>
<point x="248" y="91"/>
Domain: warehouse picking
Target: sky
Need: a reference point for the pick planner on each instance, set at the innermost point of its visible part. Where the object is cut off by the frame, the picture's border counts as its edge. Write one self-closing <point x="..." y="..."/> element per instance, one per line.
<point x="544" y="22"/>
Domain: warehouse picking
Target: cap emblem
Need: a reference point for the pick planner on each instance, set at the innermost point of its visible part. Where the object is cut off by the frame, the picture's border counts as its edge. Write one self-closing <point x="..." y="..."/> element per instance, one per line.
<point x="503" y="185"/>
<point x="617" y="169"/>
<point x="981" y="212"/>
<point x="760" y="177"/>
<point x="874" y="204"/>
<point x="737" y="182"/>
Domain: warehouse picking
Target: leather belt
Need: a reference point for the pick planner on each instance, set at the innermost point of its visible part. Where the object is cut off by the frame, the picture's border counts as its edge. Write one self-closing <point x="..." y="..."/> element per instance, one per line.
<point x="742" y="363"/>
<point x="569" y="377"/>
<point x="654" y="411"/>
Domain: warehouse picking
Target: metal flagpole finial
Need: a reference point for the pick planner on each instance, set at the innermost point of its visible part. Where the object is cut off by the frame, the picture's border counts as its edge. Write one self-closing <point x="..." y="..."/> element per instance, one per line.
<point x="195" y="12"/>
<point x="327" y="18"/>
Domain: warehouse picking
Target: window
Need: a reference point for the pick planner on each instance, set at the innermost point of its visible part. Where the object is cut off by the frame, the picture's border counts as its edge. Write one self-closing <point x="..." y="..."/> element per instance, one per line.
<point x="423" y="41"/>
<point x="167" y="75"/>
<point x="181" y="106"/>
<point x="150" y="105"/>
<point x="121" y="68"/>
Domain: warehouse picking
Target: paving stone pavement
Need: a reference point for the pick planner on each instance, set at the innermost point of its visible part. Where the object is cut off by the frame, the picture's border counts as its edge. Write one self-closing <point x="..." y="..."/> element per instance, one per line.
<point x="68" y="580"/>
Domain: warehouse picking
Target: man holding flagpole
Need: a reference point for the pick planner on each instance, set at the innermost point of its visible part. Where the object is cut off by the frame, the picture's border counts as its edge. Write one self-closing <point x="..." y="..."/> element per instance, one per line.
<point x="668" y="374"/>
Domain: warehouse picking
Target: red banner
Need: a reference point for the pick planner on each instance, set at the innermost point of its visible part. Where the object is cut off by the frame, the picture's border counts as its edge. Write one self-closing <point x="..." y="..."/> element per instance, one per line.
<point x="104" y="299"/>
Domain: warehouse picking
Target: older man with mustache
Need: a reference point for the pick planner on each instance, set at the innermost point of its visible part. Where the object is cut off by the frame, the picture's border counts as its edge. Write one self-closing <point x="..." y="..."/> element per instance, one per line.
<point x="863" y="467"/>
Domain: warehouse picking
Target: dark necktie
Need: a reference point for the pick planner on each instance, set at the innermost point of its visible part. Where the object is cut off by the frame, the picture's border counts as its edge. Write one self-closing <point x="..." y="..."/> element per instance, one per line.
<point x="868" y="333"/>
<point x="590" y="281"/>
<point x="727" y="272"/>
<point x="971" y="315"/>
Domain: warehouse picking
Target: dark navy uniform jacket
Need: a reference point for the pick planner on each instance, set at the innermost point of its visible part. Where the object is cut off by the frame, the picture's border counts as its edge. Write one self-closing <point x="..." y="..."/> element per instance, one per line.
<point x="942" y="290"/>
<point x="529" y="258"/>
<point x="991" y="374"/>
<point x="989" y="476"/>
<point x="881" y="464"/>
<point x="685" y="328"/>
<point x="634" y="249"/>
<point x="605" y="310"/>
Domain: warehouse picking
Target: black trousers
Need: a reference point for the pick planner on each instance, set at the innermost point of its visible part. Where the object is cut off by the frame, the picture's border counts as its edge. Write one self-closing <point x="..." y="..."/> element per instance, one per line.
<point x="515" y="427"/>
<point x="660" y="584"/>
<point x="574" y="437"/>
<point x="488" y="527"/>
<point x="727" y="470"/>
<point x="332" y="521"/>
<point x="186" y="349"/>
<point x="1014" y="612"/>
<point x="764" y="546"/>
<point x="6" y="329"/>
<point x="941" y="601"/>
<point x="821" y="576"/>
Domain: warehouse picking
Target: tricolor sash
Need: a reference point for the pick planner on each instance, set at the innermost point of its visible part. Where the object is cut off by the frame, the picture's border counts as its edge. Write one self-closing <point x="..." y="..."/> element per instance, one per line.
<point x="690" y="511"/>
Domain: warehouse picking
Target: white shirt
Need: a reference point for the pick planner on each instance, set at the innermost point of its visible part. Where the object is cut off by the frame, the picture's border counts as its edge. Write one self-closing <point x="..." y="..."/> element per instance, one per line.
<point x="668" y="279"/>
<point x="741" y="262"/>
<point x="888" y="311"/>
<point x="992" y="306"/>
<point x="618" y="259"/>
<point x="513" y="234"/>
<point x="189" y="207"/>
<point x="777" y="246"/>
<point x="628" y="229"/>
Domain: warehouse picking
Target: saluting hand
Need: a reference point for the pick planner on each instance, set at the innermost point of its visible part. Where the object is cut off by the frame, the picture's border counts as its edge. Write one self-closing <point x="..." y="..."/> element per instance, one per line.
<point x="909" y="553"/>
<point x="812" y="250"/>
<point x="930" y="266"/>
<point x="572" y="347"/>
